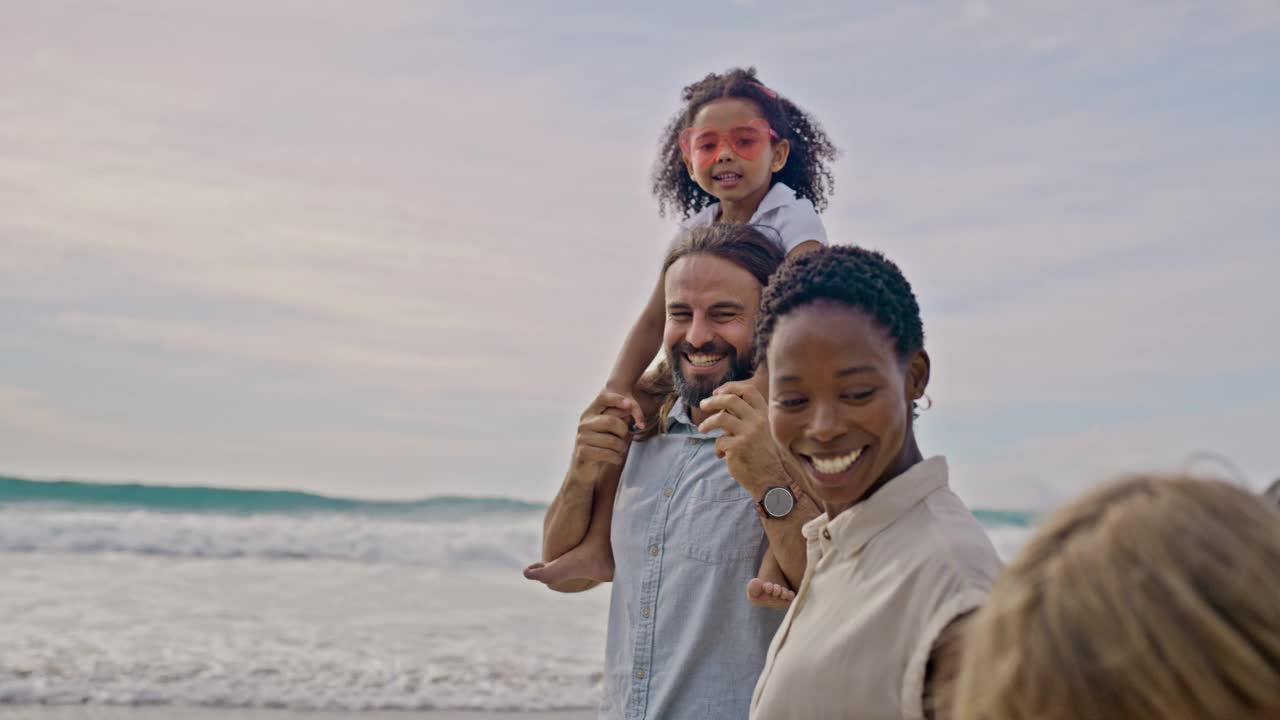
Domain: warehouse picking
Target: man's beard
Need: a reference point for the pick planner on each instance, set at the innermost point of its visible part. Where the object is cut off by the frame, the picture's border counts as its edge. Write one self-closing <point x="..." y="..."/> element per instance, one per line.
<point x="694" y="390"/>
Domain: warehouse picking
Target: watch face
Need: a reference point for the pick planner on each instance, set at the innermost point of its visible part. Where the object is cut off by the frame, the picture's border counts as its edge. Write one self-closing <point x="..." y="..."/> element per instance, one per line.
<point x="778" y="502"/>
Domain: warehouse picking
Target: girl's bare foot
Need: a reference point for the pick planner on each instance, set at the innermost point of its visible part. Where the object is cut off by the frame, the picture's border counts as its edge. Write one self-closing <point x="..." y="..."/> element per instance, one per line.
<point x="588" y="561"/>
<point x="769" y="594"/>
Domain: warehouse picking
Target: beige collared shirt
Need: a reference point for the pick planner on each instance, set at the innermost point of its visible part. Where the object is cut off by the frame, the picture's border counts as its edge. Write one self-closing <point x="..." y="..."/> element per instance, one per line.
<point x="884" y="578"/>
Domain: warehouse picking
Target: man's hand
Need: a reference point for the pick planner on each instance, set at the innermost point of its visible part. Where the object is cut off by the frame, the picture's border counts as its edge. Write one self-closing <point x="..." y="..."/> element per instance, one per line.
<point x="603" y="433"/>
<point x="757" y="463"/>
<point x="747" y="447"/>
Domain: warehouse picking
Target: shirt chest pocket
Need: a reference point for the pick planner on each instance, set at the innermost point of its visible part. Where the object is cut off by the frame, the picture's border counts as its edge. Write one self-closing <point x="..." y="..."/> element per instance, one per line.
<point x="717" y="526"/>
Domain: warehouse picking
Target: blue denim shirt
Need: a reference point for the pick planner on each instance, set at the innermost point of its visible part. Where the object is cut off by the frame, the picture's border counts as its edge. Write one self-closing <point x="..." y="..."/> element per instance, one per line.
<point x="684" y="641"/>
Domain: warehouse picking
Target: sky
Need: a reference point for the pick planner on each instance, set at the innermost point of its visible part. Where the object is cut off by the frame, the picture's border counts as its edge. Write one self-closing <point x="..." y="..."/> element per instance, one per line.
<point x="390" y="249"/>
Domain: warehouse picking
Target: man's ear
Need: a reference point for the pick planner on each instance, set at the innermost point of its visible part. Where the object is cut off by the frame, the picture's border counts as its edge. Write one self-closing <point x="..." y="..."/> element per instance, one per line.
<point x="781" y="151"/>
<point x="917" y="375"/>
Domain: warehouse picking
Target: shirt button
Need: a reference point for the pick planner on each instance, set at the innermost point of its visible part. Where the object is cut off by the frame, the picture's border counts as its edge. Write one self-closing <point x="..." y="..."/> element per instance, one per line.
<point x="639" y="674"/>
<point x="667" y="491"/>
<point x="826" y="533"/>
<point x="646" y="612"/>
<point x="654" y="551"/>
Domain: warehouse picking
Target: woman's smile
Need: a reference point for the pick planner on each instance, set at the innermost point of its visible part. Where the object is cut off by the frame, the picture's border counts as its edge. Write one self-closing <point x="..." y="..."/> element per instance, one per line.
<point x="836" y="469"/>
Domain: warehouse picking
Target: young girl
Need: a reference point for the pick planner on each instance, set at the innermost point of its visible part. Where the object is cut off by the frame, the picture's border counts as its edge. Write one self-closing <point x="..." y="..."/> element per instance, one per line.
<point x="737" y="152"/>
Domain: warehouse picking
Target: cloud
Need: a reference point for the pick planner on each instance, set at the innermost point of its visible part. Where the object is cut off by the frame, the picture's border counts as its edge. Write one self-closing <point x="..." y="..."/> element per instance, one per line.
<point x="26" y="413"/>
<point x="391" y="246"/>
<point x="1044" y="470"/>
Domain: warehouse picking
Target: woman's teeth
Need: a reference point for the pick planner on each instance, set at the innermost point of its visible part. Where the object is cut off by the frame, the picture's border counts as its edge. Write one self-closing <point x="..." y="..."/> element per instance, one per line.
<point x="700" y="360"/>
<point x="832" y="466"/>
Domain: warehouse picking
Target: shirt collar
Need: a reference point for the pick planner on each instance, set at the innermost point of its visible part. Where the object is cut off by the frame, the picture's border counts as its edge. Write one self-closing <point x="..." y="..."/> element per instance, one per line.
<point x="679" y="422"/>
<point x="679" y="416"/>
<point x="852" y="529"/>
<point x="777" y="196"/>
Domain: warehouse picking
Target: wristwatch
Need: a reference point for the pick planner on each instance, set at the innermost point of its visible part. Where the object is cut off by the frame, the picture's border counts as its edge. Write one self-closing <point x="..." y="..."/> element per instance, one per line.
<point x="778" y="501"/>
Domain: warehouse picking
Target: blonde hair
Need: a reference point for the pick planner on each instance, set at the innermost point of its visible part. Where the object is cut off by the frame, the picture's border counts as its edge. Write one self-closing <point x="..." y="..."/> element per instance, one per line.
<point x="1154" y="597"/>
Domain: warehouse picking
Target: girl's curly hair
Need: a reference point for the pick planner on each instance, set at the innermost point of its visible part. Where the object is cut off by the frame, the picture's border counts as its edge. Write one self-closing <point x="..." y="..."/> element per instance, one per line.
<point x="807" y="171"/>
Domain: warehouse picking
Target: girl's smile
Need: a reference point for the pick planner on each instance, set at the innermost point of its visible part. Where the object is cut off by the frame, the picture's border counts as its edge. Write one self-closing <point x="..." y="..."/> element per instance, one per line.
<point x="727" y="179"/>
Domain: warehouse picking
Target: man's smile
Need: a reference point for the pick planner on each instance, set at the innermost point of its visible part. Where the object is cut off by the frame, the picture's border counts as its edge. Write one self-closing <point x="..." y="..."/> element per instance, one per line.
<point x="702" y="362"/>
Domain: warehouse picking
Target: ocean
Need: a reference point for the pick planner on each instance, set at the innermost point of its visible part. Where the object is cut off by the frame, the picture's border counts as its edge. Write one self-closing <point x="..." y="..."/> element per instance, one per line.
<point x="224" y="598"/>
